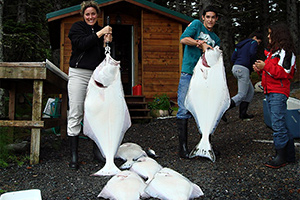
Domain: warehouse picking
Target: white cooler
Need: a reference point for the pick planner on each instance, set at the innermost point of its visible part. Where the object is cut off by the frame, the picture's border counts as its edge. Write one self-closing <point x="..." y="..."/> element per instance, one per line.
<point x="33" y="194"/>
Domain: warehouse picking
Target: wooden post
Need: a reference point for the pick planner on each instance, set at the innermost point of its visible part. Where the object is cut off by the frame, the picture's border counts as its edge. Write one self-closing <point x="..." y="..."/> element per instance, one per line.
<point x="11" y="111"/>
<point x="36" y="116"/>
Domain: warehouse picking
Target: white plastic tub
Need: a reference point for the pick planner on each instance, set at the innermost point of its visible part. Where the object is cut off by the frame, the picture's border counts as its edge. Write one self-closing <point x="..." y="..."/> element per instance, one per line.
<point x="33" y="194"/>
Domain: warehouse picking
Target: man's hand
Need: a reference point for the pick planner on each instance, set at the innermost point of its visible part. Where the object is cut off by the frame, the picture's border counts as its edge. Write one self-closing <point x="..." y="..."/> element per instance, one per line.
<point x="205" y="46"/>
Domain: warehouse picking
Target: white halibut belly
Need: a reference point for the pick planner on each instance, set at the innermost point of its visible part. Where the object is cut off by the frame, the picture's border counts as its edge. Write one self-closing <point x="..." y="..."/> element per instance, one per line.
<point x="207" y="99"/>
<point x="106" y="117"/>
<point x="105" y="113"/>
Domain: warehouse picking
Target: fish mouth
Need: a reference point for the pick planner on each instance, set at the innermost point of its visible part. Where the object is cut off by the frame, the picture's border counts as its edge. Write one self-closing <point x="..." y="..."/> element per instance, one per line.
<point x="100" y="84"/>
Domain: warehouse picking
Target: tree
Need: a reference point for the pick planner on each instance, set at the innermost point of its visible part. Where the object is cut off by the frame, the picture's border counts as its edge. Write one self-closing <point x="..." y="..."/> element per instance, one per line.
<point x="1" y="30"/>
<point x="292" y="21"/>
<point x="225" y="33"/>
<point x="2" y="92"/>
<point x="21" y="14"/>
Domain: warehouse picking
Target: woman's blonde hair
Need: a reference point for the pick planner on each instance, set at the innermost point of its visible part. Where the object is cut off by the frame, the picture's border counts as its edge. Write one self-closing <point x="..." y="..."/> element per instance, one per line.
<point x="86" y="4"/>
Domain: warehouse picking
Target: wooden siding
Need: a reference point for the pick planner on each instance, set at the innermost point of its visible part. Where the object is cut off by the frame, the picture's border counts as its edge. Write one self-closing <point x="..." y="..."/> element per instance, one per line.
<point x="161" y="55"/>
<point x="66" y="48"/>
<point x="161" y="52"/>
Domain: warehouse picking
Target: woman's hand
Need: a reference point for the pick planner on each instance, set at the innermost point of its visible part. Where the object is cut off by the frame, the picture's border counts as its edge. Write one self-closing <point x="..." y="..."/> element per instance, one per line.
<point x="258" y="65"/>
<point x="107" y="37"/>
<point x="106" y="30"/>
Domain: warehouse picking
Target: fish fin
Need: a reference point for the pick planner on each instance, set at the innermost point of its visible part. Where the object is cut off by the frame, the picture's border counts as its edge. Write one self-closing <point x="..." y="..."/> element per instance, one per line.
<point x="197" y="192"/>
<point x="104" y="193"/>
<point x="203" y="149"/>
<point x="107" y="170"/>
<point x="127" y="164"/>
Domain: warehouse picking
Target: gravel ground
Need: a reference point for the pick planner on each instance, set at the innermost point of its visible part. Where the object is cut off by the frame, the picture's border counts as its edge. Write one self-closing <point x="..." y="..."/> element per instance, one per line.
<point x="238" y="172"/>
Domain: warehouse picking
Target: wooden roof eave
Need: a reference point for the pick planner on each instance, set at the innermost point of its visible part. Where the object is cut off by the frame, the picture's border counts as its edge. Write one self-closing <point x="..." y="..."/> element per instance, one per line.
<point x="64" y="16"/>
<point x="158" y="11"/>
<point x="137" y="3"/>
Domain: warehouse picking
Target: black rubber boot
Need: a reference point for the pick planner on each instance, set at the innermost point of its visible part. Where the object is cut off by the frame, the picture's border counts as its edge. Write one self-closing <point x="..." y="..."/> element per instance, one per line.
<point x="74" y="152"/>
<point x="279" y="160"/>
<point x="290" y="151"/>
<point x="182" y="135"/>
<point x="243" y="110"/>
<point x="97" y="153"/>
<point x="232" y="105"/>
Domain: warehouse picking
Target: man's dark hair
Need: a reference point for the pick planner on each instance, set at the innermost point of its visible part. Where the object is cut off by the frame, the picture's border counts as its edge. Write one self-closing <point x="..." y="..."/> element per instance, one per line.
<point x="258" y="35"/>
<point x="210" y="9"/>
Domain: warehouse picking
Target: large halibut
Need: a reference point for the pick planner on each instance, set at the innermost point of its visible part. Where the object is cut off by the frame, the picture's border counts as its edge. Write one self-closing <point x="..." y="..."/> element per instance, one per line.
<point x="106" y="117"/>
<point x="208" y="98"/>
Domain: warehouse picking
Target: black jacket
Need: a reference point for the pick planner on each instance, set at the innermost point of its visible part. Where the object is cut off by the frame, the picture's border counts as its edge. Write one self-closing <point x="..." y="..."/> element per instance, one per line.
<point x="87" y="48"/>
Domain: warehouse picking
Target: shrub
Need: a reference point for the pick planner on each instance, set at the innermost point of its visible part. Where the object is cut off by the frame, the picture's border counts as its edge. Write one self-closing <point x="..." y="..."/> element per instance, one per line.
<point x="160" y="102"/>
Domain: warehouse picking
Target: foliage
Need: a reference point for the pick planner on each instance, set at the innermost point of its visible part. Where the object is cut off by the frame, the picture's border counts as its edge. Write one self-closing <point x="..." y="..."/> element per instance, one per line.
<point x="160" y="102"/>
<point x="26" y="35"/>
<point x="6" y="156"/>
<point x="25" y="30"/>
<point x="22" y="42"/>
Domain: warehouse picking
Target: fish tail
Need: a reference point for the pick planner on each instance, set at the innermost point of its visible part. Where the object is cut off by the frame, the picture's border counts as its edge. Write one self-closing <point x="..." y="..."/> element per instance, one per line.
<point x="107" y="170"/>
<point x="203" y="149"/>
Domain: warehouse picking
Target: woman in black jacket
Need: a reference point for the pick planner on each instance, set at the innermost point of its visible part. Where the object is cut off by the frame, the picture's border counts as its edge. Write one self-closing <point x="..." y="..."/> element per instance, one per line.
<point x="87" y="54"/>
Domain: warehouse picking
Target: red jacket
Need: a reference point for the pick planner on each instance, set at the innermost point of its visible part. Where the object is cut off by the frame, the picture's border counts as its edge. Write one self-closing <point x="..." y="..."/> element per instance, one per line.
<point x="278" y="71"/>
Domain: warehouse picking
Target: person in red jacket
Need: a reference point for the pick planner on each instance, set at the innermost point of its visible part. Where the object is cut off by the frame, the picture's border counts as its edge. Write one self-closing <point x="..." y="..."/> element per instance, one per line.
<point x="277" y="71"/>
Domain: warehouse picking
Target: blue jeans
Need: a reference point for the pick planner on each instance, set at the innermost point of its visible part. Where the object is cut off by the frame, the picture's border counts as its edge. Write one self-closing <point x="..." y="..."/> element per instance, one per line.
<point x="183" y="87"/>
<point x="276" y="103"/>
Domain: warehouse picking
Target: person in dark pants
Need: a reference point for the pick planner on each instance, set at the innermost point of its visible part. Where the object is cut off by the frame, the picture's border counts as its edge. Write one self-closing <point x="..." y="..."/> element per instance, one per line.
<point x="87" y="39"/>
<point x="243" y="58"/>
<point x="277" y="71"/>
<point x="197" y="38"/>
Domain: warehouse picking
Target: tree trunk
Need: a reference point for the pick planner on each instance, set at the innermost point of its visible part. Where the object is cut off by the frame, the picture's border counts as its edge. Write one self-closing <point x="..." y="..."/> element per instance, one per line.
<point x="1" y="29"/>
<point x="2" y="92"/>
<point x="292" y="18"/>
<point x="202" y="5"/>
<point x="177" y="5"/>
<point x="21" y="16"/>
<point x="265" y="21"/>
<point x="225" y="34"/>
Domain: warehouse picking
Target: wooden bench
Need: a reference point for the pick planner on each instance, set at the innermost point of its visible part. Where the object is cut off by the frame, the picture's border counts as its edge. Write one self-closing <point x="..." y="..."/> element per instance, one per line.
<point x="37" y="78"/>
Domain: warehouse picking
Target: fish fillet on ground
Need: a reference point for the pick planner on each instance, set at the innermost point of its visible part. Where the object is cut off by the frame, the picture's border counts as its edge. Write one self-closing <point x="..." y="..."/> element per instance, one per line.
<point x="106" y="116"/>
<point x="168" y="184"/>
<point x="130" y="152"/>
<point x="146" y="167"/>
<point x="208" y="98"/>
<point x="125" y="185"/>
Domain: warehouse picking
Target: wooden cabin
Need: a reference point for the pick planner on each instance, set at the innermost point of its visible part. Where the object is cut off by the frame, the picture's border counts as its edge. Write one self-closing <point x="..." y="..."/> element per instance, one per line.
<point x="145" y="40"/>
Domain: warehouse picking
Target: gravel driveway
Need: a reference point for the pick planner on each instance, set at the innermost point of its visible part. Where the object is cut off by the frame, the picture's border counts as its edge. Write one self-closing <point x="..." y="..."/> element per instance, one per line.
<point x="238" y="172"/>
